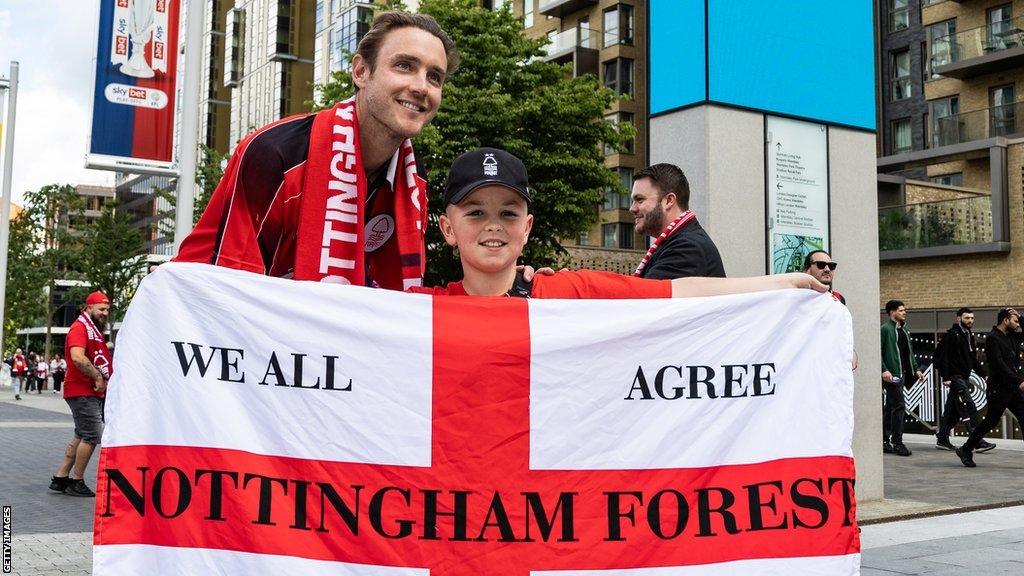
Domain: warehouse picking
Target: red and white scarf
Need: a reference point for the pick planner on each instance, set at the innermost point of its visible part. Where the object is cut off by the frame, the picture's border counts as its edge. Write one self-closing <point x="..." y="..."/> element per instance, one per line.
<point x="331" y="236"/>
<point x="676" y="225"/>
<point x="96" y="347"/>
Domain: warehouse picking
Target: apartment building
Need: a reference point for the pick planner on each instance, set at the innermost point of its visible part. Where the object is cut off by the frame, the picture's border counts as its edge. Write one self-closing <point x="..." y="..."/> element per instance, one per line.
<point x="340" y="24"/>
<point x="214" y="93"/>
<point x="607" y="39"/>
<point x="268" y="61"/>
<point x="951" y="150"/>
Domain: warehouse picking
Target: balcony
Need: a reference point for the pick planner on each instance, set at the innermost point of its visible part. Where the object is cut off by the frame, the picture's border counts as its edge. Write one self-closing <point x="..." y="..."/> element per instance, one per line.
<point x="577" y="45"/>
<point x="956" y="222"/>
<point x="990" y="48"/>
<point x="978" y="125"/>
<point x="559" y="8"/>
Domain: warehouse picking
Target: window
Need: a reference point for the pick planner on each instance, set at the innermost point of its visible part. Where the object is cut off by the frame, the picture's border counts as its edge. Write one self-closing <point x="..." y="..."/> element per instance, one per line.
<point x="899" y="75"/>
<point x="584" y="239"/>
<point x="942" y="45"/>
<point x="901" y="140"/>
<point x="956" y="179"/>
<point x="319" y="15"/>
<point x="617" y="235"/>
<point x="618" y="75"/>
<point x="618" y="25"/>
<point x="924" y="60"/>
<point x="946" y="124"/>
<point x="349" y="29"/>
<point x="233" y="51"/>
<point x="999" y="29"/>
<point x="899" y="15"/>
<point x="584" y="33"/>
<point x="527" y="13"/>
<point x="618" y="199"/>
<point x="1002" y="111"/>
<point x="621" y="117"/>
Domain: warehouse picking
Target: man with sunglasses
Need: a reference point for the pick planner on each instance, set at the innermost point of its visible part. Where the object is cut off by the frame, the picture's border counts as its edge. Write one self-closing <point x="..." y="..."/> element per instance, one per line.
<point x="820" y="265"/>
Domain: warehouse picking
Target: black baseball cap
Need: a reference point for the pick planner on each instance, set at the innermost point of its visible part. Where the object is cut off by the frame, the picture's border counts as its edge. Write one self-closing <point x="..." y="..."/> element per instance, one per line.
<point x="482" y="167"/>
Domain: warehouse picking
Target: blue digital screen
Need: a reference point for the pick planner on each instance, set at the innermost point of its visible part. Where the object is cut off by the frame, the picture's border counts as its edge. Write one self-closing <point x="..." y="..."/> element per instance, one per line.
<point x="808" y="59"/>
<point x="677" y="76"/>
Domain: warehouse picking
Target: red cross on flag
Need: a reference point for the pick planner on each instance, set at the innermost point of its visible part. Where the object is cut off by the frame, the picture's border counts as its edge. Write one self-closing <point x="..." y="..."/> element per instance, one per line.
<point x="265" y="426"/>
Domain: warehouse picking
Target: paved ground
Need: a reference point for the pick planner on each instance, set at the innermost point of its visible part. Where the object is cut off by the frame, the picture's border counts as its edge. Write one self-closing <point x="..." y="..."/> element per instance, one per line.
<point x="989" y="542"/>
<point x="53" y="532"/>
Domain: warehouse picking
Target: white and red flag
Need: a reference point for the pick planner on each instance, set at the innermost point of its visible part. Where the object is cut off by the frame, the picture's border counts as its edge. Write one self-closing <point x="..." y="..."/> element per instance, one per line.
<point x="266" y="426"/>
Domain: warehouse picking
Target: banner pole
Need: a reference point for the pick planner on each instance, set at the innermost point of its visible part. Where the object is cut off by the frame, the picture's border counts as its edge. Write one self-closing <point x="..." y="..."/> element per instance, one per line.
<point x="5" y="205"/>
<point x="188" y="145"/>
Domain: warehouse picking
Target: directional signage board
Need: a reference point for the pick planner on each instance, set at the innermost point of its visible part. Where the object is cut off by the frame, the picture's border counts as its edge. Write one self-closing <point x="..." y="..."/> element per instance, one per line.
<point x="797" y="188"/>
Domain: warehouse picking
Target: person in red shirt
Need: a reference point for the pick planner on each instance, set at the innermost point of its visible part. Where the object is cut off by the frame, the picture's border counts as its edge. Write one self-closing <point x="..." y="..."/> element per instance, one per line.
<point x="487" y="219"/>
<point x="19" y="368"/>
<point x="335" y="196"/>
<point x="85" y="386"/>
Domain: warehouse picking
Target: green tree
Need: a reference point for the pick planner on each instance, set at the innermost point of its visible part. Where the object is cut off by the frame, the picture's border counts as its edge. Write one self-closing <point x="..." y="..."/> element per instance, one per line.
<point x="505" y="95"/>
<point x="112" y="258"/>
<point x="208" y="175"/>
<point x="44" y="247"/>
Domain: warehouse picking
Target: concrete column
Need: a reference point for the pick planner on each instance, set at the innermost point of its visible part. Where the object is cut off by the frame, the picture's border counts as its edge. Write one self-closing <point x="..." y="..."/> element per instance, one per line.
<point x="722" y="152"/>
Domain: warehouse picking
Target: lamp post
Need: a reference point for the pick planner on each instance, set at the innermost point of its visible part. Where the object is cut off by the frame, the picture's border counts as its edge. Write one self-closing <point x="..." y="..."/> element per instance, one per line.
<point x="10" y="85"/>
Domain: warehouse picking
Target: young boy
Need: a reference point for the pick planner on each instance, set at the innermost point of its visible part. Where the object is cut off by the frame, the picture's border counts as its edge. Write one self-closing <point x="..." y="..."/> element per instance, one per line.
<point x="487" y="218"/>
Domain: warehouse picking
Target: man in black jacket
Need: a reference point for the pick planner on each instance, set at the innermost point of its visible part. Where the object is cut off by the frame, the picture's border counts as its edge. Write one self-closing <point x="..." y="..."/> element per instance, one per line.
<point x="661" y="207"/>
<point x="955" y="358"/>
<point x="1005" y="381"/>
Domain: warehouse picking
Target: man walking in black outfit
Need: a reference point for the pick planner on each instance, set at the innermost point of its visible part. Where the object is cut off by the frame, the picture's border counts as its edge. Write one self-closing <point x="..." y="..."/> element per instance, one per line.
<point x="955" y="358"/>
<point x="1005" y="381"/>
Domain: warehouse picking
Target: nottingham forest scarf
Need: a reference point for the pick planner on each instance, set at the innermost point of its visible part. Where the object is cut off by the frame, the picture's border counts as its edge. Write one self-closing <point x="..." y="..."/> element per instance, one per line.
<point x="96" y="350"/>
<point x="331" y="232"/>
<point x="676" y="225"/>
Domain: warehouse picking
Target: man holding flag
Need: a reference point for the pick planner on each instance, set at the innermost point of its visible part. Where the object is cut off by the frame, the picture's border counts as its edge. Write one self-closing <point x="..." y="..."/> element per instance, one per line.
<point x="335" y="196"/>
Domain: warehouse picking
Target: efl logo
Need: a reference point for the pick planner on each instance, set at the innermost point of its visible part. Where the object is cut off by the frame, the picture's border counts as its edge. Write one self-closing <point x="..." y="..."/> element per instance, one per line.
<point x="161" y="5"/>
<point x="139" y="93"/>
<point x="122" y="3"/>
<point x="121" y="47"/>
<point x="158" y="50"/>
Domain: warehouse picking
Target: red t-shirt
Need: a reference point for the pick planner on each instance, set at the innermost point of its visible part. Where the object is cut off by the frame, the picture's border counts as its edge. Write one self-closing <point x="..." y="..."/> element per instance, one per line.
<point x="582" y="284"/>
<point x="76" y="383"/>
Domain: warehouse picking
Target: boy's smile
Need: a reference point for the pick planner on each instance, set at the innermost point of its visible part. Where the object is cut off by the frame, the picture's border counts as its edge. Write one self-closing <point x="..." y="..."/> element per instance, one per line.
<point x="489" y="227"/>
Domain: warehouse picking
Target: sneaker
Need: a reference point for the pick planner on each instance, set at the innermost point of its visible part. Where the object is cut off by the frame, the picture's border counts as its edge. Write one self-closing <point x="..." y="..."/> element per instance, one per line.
<point x="944" y="444"/>
<point x="966" y="457"/>
<point x="58" y="483"/>
<point x="78" y="488"/>
<point x="901" y="450"/>
<point x="984" y="446"/>
<point x="886" y="448"/>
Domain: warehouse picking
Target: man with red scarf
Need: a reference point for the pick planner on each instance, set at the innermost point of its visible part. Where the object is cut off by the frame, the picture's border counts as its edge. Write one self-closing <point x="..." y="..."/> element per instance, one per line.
<point x="661" y="207"/>
<point x="84" y="389"/>
<point x="335" y="196"/>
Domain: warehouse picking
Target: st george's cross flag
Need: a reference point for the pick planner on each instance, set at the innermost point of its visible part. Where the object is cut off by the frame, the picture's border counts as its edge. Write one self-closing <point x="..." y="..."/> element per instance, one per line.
<point x="265" y="426"/>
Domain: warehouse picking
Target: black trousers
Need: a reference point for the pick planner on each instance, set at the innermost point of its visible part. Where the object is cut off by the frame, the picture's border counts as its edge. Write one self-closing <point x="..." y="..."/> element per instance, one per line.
<point x="894" y="412"/>
<point x="998" y="400"/>
<point x="959" y="406"/>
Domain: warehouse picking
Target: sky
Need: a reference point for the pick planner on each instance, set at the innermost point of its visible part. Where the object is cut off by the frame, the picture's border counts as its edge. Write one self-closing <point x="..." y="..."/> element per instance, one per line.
<point x="54" y="41"/>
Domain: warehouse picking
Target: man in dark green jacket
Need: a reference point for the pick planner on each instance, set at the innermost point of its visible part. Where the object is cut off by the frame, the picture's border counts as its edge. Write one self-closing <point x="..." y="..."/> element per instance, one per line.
<point x="899" y="371"/>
